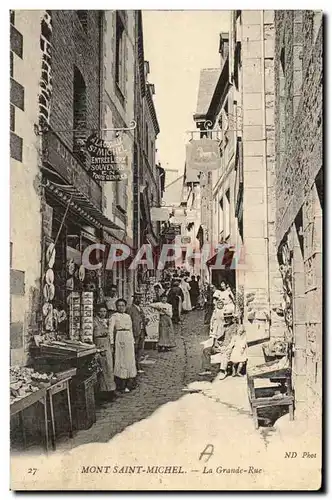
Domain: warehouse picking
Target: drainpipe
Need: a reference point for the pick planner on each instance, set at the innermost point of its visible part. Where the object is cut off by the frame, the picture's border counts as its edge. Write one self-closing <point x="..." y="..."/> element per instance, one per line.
<point x="266" y="231"/>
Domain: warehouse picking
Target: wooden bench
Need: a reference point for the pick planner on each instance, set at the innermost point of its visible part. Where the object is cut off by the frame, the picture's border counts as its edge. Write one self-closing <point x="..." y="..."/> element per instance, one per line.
<point x="277" y="372"/>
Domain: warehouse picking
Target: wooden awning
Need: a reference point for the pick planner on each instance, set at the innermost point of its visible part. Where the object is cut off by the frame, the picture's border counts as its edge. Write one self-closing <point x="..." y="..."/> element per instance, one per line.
<point x="80" y="204"/>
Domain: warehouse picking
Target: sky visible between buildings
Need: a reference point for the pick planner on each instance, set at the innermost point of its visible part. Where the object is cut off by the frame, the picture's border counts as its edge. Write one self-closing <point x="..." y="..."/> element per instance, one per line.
<point x="178" y="44"/>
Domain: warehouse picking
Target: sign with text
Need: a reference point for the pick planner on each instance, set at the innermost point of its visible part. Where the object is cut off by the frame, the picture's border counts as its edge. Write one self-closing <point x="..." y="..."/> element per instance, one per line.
<point x="203" y="155"/>
<point x="159" y="214"/>
<point x="109" y="159"/>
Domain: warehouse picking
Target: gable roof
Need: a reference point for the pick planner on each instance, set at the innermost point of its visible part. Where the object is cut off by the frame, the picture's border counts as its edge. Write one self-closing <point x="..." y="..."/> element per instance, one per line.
<point x="207" y="84"/>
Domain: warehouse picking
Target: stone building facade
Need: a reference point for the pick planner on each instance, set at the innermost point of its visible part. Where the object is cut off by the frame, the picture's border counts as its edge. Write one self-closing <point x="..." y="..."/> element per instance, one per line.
<point x="72" y="74"/>
<point x="242" y="190"/>
<point x="298" y="70"/>
<point x="252" y="40"/>
<point x="149" y="178"/>
<point x="118" y="111"/>
<point x="25" y="216"/>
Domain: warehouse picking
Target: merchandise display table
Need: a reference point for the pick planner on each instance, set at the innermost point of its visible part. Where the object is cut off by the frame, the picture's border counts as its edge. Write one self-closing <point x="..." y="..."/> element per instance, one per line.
<point x="62" y="385"/>
<point x="20" y="405"/>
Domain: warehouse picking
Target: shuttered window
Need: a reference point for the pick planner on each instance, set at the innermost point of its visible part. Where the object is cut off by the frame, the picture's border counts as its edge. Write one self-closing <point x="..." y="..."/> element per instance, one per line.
<point x="120" y="55"/>
<point x="121" y="195"/>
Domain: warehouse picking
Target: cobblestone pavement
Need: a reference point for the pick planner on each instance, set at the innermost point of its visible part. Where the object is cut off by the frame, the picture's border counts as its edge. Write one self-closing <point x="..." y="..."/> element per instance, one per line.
<point x="161" y="383"/>
<point x="169" y="420"/>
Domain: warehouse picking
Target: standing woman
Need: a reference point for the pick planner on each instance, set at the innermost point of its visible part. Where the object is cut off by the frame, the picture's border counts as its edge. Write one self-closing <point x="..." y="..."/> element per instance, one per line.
<point x="186" y="304"/>
<point x="201" y="298"/>
<point x="226" y="295"/>
<point x="104" y="344"/>
<point x="121" y="330"/>
<point x="175" y="298"/>
<point x="166" y="331"/>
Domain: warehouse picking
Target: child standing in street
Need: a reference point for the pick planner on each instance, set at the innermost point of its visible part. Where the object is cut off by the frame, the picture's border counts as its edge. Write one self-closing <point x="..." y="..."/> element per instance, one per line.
<point x="238" y="357"/>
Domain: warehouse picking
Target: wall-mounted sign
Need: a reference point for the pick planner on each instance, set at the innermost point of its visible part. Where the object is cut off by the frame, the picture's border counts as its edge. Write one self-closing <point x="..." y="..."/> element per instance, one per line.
<point x="159" y="214"/>
<point x="203" y="155"/>
<point x="109" y="159"/>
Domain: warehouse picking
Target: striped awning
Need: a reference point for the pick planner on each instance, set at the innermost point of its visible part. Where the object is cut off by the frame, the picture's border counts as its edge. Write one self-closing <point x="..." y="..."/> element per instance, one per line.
<point x="228" y="253"/>
<point x="80" y="204"/>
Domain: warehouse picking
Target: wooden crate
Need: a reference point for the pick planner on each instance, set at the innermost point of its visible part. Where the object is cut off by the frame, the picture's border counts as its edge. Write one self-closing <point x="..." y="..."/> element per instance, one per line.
<point x="83" y="402"/>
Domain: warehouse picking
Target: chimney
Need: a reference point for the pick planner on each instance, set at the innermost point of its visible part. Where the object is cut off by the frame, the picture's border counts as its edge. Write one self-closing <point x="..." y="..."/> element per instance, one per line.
<point x="223" y="47"/>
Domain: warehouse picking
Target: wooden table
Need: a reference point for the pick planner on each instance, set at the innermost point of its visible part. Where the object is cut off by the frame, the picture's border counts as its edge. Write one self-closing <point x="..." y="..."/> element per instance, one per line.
<point x="20" y="405"/>
<point x="62" y="385"/>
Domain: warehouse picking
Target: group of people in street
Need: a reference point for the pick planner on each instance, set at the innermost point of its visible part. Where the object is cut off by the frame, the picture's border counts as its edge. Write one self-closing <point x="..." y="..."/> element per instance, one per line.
<point x="119" y="334"/>
<point x="120" y="331"/>
<point x="227" y="340"/>
<point x="184" y="292"/>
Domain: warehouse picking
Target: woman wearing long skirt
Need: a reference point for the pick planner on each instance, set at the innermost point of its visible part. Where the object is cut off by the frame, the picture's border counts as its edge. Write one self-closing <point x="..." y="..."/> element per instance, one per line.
<point x="121" y="331"/>
<point x="175" y="298"/>
<point x="186" y="304"/>
<point x="166" y="331"/>
<point x="102" y="340"/>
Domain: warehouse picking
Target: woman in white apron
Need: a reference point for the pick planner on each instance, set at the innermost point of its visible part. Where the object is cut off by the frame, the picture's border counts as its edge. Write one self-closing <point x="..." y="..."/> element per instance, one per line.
<point x="121" y="333"/>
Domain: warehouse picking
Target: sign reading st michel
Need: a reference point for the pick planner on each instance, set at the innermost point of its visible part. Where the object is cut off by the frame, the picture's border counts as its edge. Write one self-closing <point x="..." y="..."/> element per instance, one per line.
<point x="108" y="158"/>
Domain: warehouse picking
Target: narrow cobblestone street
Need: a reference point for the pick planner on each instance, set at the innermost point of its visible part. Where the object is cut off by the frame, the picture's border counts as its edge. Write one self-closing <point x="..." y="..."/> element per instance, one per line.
<point x="169" y="421"/>
<point x="164" y="381"/>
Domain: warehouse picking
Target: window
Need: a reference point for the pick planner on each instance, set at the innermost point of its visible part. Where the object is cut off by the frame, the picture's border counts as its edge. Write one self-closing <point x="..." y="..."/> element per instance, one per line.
<point x="120" y="55"/>
<point x="120" y="278"/>
<point x="80" y="114"/>
<point x="152" y="155"/>
<point x="12" y="118"/>
<point x="83" y="17"/>
<point x="121" y="198"/>
<point x="227" y="214"/>
<point x="11" y="64"/>
<point x="221" y="217"/>
<point x="282" y="60"/>
<point x="146" y="139"/>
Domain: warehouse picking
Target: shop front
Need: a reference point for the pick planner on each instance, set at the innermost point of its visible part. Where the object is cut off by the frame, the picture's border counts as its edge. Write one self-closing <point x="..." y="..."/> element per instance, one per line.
<point x="221" y="267"/>
<point x="55" y="393"/>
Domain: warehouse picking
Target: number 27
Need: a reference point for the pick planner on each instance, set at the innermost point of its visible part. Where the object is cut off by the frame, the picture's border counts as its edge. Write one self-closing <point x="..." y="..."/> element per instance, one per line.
<point x="32" y="471"/>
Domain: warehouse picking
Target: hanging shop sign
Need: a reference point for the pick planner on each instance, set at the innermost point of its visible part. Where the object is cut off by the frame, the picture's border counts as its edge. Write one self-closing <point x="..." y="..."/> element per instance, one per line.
<point x="173" y="231"/>
<point x="203" y="155"/>
<point x="109" y="159"/>
<point x="159" y="214"/>
<point x="185" y="240"/>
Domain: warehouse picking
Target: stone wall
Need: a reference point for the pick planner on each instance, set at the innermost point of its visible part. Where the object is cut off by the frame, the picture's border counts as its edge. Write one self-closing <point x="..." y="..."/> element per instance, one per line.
<point x="261" y="277"/>
<point x="118" y="111"/>
<point x="25" y="216"/>
<point x="300" y="132"/>
<point x="299" y="181"/>
<point x="74" y="45"/>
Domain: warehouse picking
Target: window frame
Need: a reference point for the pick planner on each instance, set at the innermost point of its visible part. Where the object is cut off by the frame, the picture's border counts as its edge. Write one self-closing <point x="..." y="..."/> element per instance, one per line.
<point x="120" y="55"/>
